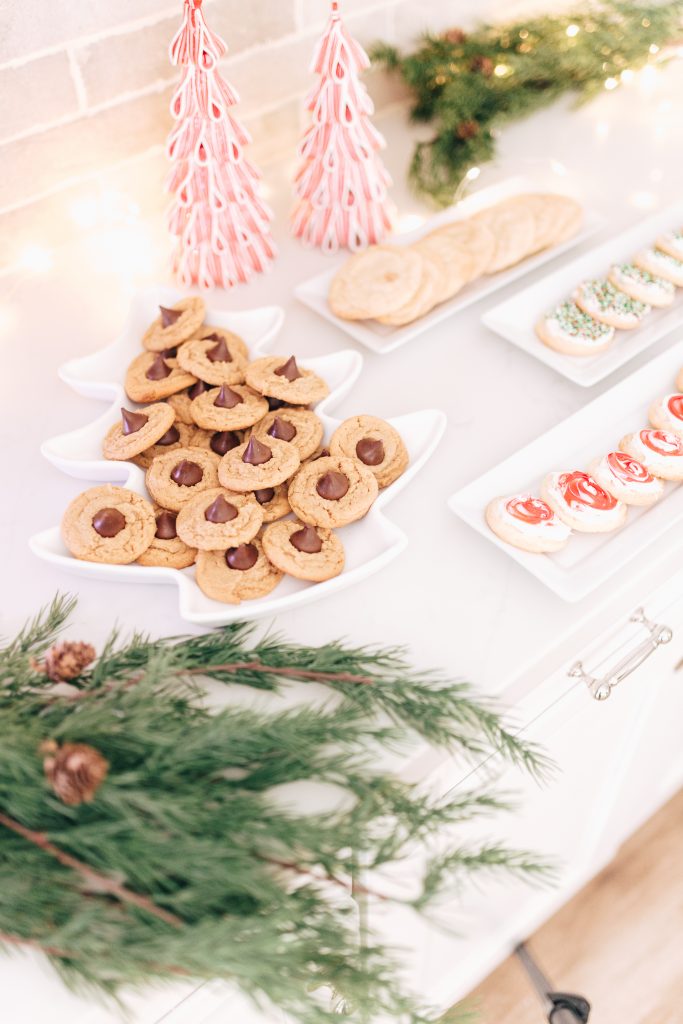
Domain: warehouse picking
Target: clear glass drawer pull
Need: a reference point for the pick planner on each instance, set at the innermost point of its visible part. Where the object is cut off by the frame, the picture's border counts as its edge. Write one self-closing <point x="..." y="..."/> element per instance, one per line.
<point x="601" y="687"/>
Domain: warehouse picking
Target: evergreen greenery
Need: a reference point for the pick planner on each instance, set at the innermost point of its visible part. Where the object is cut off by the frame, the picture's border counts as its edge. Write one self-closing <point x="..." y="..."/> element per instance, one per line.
<point x="185" y="863"/>
<point x="467" y="85"/>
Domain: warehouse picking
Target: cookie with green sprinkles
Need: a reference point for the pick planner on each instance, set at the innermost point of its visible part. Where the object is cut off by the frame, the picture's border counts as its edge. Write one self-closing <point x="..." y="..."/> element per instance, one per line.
<point x="569" y="330"/>
<point x="671" y="242"/>
<point x="604" y="302"/>
<point x="662" y="264"/>
<point x="642" y="284"/>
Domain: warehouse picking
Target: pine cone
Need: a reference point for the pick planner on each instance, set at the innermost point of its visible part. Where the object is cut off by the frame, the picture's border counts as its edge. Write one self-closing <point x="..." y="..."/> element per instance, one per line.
<point x="67" y="660"/>
<point x="482" y="64"/>
<point x="75" y="771"/>
<point x="467" y="129"/>
<point x="455" y="36"/>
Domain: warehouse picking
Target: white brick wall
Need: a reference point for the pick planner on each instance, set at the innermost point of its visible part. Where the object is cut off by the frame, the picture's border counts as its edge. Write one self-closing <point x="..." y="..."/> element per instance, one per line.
<point x="84" y="85"/>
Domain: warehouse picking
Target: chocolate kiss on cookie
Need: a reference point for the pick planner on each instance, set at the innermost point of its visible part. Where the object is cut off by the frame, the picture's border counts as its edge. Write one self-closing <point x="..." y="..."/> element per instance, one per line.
<point x="131" y="422"/>
<point x="275" y="403"/>
<point x="170" y="437"/>
<point x="198" y="389"/>
<point x="187" y="473"/>
<point x="370" y="451"/>
<point x="289" y="370"/>
<point x="220" y="353"/>
<point x="158" y="369"/>
<point x="108" y="522"/>
<point x="169" y="316"/>
<point x="256" y="453"/>
<point x="264" y="495"/>
<point x="220" y="511"/>
<point x="223" y="441"/>
<point x="307" y="540"/>
<point x="332" y="486"/>
<point x="166" y="525"/>
<point x="282" y="429"/>
<point x="227" y="398"/>
<point x="243" y="557"/>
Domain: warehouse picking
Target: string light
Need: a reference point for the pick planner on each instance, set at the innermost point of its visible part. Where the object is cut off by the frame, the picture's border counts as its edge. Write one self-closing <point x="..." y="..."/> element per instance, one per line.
<point x="36" y="259"/>
<point x="611" y="83"/>
<point x="627" y="75"/>
<point x="473" y="173"/>
<point x="501" y="70"/>
<point x="654" y="48"/>
<point x="572" y="30"/>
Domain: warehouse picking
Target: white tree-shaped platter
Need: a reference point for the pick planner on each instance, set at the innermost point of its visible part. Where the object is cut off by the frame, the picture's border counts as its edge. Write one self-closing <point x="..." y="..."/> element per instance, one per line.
<point x="369" y="544"/>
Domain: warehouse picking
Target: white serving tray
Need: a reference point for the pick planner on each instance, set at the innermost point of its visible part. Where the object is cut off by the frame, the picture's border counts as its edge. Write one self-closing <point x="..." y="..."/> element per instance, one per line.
<point x="588" y="560"/>
<point x="380" y="337"/>
<point x="369" y="544"/>
<point x="515" y="319"/>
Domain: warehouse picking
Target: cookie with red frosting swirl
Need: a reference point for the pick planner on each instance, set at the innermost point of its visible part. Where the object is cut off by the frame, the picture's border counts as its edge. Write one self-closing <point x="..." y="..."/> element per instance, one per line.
<point x="527" y="522"/>
<point x="627" y="479"/>
<point x="667" y="413"/>
<point x="582" y="503"/>
<point x="661" y="451"/>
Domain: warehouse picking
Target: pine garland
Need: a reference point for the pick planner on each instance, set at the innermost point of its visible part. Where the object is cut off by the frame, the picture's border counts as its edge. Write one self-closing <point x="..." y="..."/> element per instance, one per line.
<point x="141" y="837"/>
<point x="467" y="85"/>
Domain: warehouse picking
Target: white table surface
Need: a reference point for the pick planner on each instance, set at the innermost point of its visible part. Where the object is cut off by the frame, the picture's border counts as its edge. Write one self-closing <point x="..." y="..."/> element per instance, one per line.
<point x="453" y="598"/>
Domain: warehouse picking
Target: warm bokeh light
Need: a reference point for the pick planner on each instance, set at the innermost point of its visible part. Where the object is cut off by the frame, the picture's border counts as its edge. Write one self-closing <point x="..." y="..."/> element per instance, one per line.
<point x="36" y="259"/>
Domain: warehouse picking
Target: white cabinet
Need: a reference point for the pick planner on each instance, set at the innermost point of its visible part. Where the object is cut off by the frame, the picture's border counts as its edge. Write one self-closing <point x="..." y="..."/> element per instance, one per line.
<point x="617" y="760"/>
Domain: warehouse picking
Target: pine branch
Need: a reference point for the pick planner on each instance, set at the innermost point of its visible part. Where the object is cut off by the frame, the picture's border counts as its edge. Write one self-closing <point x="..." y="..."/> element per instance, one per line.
<point x="193" y="814"/>
<point x="483" y="79"/>
<point x="107" y="885"/>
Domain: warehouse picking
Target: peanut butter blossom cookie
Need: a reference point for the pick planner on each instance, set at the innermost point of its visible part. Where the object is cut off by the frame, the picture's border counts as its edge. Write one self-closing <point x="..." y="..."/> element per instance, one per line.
<point x="606" y="303"/>
<point x="218" y="441"/>
<point x="642" y="285"/>
<point x="137" y="431"/>
<point x="218" y="519"/>
<point x="175" y="477"/>
<point x="276" y="377"/>
<point x="108" y="524"/>
<point x="216" y="359"/>
<point x="174" y="325"/>
<point x="255" y="465"/>
<point x="301" y="427"/>
<point x="375" y="443"/>
<point x="569" y="330"/>
<point x="228" y="407"/>
<point x="241" y="573"/>
<point x="182" y="401"/>
<point x="153" y="376"/>
<point x="332" y="491"/>
<point x="208" y="331"/>
<point x="306" y="552"/>
<point x="273" y="501"/>
<point x="178" y="435"/>
<point x="167" y="550"/>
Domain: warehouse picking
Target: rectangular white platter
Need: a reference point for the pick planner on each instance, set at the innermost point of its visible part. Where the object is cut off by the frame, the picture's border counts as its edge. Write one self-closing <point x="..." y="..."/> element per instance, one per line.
<point x="515" y="318"/>
<point x="588" y="560"/>
<point x="381" y="338"/>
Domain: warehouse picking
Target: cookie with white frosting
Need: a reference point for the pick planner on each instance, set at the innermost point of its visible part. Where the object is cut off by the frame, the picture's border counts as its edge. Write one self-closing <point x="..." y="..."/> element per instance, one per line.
<point x="661" y="264"/>
<point x="527" y="522"/>
<point x="569" y="330"/>
<point x="627" y="479"/>
<point x="671" y="242"/>
<point x="661" y="451"/>
<point x="667" y="413"/>
<point x="581" y="503"/>
<point x="642" y="284"/>
<point x="601" y="300"/>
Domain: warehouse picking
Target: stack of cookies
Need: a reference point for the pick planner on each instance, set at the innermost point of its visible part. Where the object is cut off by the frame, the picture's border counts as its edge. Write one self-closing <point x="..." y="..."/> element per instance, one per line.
<point x="231" y="447"/>
<point x="398" y="284"/>
<point x="585" y="325"/>
<point x="597" y="500"/>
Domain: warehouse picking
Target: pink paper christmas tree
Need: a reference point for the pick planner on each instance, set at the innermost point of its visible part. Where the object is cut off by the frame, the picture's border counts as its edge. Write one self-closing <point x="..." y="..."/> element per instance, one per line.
<point x="341" y="184"/>
<point x="221" y="225"/>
